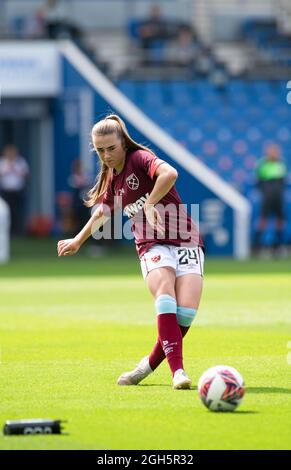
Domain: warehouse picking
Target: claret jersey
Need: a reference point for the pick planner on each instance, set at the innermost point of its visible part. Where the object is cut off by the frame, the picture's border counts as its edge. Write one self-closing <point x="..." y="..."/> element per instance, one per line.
<point x="131" y="188"/>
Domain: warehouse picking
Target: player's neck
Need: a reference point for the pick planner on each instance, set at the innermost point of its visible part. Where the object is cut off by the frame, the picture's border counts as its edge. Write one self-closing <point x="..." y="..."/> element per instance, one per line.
<point x="118" y="169"/>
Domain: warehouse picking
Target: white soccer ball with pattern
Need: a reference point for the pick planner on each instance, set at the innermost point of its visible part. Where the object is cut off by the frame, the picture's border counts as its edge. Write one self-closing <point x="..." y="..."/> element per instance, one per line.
<point x="221" y="388"/>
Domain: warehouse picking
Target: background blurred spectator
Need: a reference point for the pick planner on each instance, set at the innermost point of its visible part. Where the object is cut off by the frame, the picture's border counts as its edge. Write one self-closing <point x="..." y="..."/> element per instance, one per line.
<point x="13" y="178"/>
<point x="152" y="28"/>
<point x="153" y="35"/>
<point x="271" y="173"/>
<point x="54" y="15"/>
<point x="219" y="76"/>
<point x="183" y="50"/>
<point x="205" y="62"/>
<point x="57" y="24"/>
<point x="35" y="25"/>
<point x="27" y="26"/>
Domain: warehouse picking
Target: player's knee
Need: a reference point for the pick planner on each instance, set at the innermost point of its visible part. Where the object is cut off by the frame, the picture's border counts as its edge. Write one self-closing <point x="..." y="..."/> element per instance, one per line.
<point x="163" y="287"/>
<point x="165" y="304"/>
<point x="185" y="316"/>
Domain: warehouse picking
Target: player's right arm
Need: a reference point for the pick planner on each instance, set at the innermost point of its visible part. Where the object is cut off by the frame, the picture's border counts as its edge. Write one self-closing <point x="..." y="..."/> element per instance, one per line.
<point x="72" y="245"/>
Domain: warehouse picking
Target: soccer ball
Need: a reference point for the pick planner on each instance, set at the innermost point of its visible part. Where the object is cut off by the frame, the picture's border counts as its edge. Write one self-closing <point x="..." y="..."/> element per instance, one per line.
<point x="221" y="388"/>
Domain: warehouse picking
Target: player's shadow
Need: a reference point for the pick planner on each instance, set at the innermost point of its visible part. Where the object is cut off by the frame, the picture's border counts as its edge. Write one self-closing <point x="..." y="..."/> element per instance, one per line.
<point x="163" y="385"/>
<point x="169" y="385"/>
<point x="155" y="385"/>
<point x="287" y="391"/>
<point x="248" y="389"/>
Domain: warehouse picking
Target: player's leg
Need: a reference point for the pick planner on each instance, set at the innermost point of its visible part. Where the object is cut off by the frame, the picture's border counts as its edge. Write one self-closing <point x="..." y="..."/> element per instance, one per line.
<point x="157" y="355"/>
<point x="188" y="286"/>
<point x="161" y="283"/>
<point x="188" y="294"/>
<point x="158" y="270"/>
<point x="188" y="290"/>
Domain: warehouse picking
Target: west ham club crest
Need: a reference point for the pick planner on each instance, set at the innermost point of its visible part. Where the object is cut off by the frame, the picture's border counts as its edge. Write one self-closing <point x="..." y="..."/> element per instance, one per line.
<point x="132" y="181"/>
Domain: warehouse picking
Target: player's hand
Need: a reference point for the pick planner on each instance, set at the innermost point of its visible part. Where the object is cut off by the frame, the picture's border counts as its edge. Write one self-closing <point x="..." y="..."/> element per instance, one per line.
<point x="154" y="219"/>
<point x="68" y="247"/>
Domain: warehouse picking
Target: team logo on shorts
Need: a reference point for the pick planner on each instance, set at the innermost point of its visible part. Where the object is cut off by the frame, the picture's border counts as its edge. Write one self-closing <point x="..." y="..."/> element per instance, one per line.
<point x="132" y="181"/>
<point x="156" y="259"/>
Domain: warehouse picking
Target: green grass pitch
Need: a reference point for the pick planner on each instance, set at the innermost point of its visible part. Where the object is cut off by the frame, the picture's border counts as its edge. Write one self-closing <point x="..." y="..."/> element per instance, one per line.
<point x="69" y="327"/>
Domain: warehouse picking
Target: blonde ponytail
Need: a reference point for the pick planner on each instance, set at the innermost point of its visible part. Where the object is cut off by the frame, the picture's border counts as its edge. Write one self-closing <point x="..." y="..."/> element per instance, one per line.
<point x="100" y="187"/>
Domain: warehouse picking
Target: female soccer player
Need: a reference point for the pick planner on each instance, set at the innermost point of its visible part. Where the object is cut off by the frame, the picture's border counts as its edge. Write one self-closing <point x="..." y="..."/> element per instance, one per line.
<point x="167" y="241"/>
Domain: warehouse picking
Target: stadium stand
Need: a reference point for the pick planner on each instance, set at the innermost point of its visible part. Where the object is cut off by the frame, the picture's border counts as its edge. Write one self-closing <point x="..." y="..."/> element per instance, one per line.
<point x="226" y="130"/>
<point x="273" y="44"/>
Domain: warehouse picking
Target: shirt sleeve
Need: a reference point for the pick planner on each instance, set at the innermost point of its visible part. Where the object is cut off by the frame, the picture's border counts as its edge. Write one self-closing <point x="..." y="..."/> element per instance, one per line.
<point x="148" y="161"/>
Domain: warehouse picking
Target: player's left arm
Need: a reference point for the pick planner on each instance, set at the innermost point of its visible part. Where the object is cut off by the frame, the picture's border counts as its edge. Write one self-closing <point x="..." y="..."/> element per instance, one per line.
<point x="166" y="177"/>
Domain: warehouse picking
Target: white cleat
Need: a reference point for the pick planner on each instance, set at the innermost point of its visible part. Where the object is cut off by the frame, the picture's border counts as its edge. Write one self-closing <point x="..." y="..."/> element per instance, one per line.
<point x="181" y="380"/>
<point x="136" y="375"/>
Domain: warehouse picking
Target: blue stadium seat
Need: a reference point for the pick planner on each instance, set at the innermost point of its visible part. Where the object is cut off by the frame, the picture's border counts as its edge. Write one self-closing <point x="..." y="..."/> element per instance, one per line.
<point x="236" y="125"/>
<point x="129" y="88"/>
